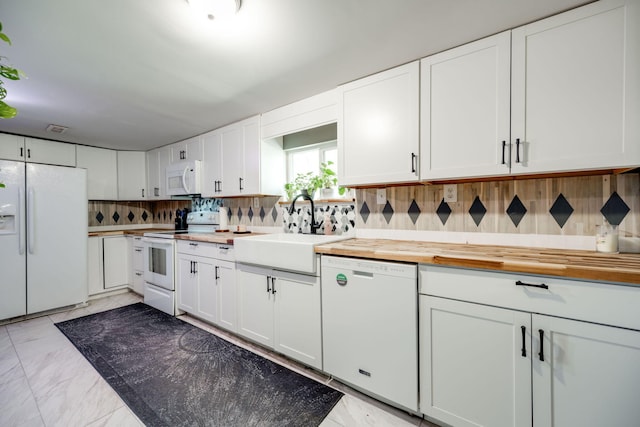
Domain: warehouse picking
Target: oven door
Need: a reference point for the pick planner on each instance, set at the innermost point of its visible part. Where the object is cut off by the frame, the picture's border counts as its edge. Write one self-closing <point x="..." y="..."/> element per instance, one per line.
<point x="158" y="262"/>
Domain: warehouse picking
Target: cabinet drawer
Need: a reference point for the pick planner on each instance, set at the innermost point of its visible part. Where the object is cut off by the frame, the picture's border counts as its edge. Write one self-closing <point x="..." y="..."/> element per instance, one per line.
<point x="208" y="250"/>
<point x="225" y="252"/>
<point x="603" y="303"/>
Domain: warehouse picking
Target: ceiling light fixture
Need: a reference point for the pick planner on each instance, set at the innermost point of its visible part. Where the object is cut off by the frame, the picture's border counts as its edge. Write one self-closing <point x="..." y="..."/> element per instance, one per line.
<point x="215" y="9"/>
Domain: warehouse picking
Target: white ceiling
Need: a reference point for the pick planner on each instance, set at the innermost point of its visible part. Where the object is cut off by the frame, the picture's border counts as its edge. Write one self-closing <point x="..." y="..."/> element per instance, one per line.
<point x="140" y="74"/>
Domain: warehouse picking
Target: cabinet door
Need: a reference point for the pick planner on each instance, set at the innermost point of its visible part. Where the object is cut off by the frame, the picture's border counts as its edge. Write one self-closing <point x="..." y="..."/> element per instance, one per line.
<point x="187" y="285"/>
<point x="153" y="174"/>
<point x="132" y="175"/>
<point x="589" y="375"/>
<point x="232" y="149"/>
<point x="94" y="265"/>
<point x="207" y="297"/>
<point x="116" y="262"/>
<point x="575" y="93"/>
<point x="211" y="164"/>
<point x="251" y="157"/>
<point x="465" y="110"/>
<point x="11" y="147"/>
<point x="189" y="149"/>
<point x="102" y="172"/>
<point x="473" y="367"/>
<point x="50" y="152"/>
<point x="226" y="283"/>
<point x="298" y="330"/>
<point x="378" y="127"/>
<point x="255" y="306"/>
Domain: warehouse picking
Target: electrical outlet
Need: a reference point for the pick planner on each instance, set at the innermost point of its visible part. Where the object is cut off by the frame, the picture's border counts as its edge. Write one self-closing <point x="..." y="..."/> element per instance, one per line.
<point x="451" y="193"/>
<point x="381" y="196"/>
<point x="256" y="202"/>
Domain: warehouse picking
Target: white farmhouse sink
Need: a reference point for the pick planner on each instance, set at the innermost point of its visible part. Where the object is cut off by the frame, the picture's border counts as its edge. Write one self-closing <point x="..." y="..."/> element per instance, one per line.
<point x="287" y="251"/>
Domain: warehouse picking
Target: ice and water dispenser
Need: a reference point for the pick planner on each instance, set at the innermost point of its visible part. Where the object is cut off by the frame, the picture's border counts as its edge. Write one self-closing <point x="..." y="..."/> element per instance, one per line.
<point x="8" y="222"/>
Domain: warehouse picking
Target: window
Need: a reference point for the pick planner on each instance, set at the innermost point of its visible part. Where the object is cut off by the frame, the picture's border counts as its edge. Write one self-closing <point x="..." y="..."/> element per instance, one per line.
<point x="308" y="158"/>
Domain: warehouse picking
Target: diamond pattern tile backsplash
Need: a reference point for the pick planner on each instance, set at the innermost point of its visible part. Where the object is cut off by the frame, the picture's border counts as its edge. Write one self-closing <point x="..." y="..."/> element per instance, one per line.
<point x="567" y="206"/>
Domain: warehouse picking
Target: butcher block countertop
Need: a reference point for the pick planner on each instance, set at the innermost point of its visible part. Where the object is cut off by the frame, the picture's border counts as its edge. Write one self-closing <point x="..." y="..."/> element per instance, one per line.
<point x="225" y="237"/>
<point x="127" y="232"/>
<point x="573" y="264"/>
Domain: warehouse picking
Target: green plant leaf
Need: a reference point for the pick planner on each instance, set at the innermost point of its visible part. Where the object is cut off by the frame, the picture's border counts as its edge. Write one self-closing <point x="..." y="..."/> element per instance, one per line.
<point x="6" y="38"/>
<point x="9" y="73"/>
<point x="7" y="111"/>
<point x="3" y="92"/>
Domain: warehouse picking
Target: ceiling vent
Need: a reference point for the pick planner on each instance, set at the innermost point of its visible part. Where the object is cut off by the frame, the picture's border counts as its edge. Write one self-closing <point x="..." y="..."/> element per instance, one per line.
<point x="57" y="129"/>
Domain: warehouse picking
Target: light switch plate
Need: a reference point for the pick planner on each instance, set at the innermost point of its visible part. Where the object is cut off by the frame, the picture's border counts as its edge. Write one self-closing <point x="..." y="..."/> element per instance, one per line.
<point x="451" y="193"/>
<point x="256" y="202"/>
<point x="381" y="196"/>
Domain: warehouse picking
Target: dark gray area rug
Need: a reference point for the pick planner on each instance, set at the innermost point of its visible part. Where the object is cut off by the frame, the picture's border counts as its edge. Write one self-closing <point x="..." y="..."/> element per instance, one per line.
<point x="171" y="373"/>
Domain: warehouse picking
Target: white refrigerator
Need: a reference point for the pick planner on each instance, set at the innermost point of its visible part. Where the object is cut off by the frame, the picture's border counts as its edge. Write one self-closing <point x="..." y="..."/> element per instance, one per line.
<point x="43" y="237"/>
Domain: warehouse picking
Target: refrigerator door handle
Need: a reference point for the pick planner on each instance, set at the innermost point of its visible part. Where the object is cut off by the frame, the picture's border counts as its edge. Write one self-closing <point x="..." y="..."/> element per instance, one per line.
<point x="30" y="219"/>
<point x="21" y="241"/>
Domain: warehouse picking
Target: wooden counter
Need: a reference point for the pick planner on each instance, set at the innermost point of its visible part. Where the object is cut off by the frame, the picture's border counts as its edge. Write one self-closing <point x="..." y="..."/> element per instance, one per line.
<point x="225" y="237"/>
<point x="589" y="265"/>
<point x="128" y="232"/>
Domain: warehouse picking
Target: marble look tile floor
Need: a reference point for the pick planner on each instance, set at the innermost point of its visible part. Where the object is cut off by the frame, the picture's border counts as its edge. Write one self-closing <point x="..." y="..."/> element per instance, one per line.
<point x="45" y="381"/>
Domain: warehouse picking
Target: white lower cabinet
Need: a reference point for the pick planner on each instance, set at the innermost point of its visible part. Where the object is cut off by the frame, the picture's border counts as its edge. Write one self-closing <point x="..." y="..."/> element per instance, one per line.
<point x="281" y="310"/>
<point x="94" y="265"/>
<point x="116" y="262"/>
<point x="206" y="285"/>
<point x="108" y="263"/>
<point x="137" y="264"/>
<point x="482" y="365"/>
<point x="589" y="376"/>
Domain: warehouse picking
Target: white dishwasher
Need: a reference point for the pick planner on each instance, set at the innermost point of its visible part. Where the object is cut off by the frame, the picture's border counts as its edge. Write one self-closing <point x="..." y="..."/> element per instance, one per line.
<point x="369" y="326"/>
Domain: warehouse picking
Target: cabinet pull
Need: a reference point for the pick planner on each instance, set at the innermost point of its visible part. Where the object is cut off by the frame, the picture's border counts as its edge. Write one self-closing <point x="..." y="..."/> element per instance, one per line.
<point x="156" y="191"/>
<point x="413" y="162"/>
<point x="541" y="285"/>
<point x="21" y="151"/>
<point x="524" y="344"/>
<point x="504" y="146"/>
<point x="195" y="267"/>
<point x="273" y="285"/>
<point x="193" y="244"/>
<point x="217" y="273"/>
<point x="517" y="150"/>
<point x="190" y="267"/>
<point x="28" y="153"/>
<point x="241" y="187"/>
<point x="143" y="192"/>
<point x="268" y="284"/>
<point x="541" y="354"/>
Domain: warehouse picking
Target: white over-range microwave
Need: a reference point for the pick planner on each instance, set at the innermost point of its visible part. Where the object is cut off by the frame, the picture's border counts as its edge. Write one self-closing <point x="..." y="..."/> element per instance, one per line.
<point x="183" y="178"/>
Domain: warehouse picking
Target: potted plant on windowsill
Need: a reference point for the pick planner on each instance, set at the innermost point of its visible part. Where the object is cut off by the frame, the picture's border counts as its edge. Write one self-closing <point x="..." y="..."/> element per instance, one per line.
<point x="326" y="181"/>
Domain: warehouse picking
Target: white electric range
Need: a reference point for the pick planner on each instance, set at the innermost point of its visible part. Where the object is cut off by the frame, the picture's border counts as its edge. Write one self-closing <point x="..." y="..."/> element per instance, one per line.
<point x="159" y="260"/>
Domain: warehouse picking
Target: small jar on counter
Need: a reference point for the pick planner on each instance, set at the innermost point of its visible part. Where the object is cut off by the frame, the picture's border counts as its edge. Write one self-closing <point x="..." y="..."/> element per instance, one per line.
<point x="606" y="237"/>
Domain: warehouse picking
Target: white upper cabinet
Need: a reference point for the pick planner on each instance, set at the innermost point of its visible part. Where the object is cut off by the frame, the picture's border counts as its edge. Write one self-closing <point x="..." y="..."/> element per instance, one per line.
<point x="576" y="90"/>
<point x="49" y="152"/>
<point x="378" y="127"/>
<point x="465" y="104"/>
<point x="11" y="147"/>
<point x="157" y="161"/>
<point x="132" y="175"/>
<point x="308" y="113"/>
<point x="211" y="164"/>
<point x="102" y="172"/>
<point x="189" y="149"/>
<point x="249" y="166"/>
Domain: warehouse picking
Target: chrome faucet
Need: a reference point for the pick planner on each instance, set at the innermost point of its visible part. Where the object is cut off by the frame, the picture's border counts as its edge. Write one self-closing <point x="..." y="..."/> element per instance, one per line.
<point x="306" y="196"/>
